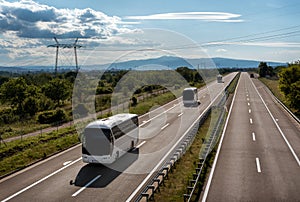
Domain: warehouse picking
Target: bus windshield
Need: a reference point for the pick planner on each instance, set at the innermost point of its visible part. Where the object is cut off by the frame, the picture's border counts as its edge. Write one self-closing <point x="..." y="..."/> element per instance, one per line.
<point x="188" y="95"/>
<point x="98" y="141"/>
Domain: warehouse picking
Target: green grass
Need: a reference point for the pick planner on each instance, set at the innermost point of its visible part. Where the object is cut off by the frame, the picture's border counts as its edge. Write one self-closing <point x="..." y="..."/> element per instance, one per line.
<point x="273" y="85"/>
<point x="21" y="128"/>
<point x="178" y="180"/>
<point x="18" y="154"/>
<point x="176" y="186"/>
<point x="147" y="104"/>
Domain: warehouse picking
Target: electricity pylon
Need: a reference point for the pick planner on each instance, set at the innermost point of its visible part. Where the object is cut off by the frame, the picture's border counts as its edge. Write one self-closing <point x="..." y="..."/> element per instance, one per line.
<point x="59" y="45"/>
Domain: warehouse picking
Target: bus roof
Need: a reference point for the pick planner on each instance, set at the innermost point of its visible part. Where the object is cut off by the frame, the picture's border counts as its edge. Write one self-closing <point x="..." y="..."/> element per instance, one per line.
<point x="111" y="121"/>
<point x="190" y="88"/>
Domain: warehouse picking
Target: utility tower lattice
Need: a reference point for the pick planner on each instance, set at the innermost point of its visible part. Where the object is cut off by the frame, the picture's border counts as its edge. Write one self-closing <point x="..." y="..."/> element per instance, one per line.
<point x="58" y="45"/>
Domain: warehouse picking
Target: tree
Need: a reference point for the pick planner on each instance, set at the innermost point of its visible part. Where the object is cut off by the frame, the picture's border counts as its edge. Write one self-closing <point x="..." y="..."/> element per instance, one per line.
<point x="21" y="96"/>
<point x="264" y="69"/>
<point x="14" y="92"/>
<point x="289" y="84"/>
<point x="31" y="105"/>
<point x="57" y="90"/>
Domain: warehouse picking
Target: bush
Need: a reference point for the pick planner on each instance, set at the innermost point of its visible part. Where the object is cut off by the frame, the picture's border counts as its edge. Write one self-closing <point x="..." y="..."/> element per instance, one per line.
<point x="53" y="116"/>
<point x="8" y="116"/>
<point x="134" y="101"/>
<point x="104" y="90"/>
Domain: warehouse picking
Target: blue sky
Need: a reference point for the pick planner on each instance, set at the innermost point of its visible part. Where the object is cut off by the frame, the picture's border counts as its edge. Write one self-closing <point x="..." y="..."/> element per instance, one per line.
<point x="113" y="30"/>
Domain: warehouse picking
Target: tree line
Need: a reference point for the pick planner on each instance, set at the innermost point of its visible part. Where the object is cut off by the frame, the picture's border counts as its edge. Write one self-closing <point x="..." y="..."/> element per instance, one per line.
<point x="47" y="96"/>
<point x="289" y="81"/>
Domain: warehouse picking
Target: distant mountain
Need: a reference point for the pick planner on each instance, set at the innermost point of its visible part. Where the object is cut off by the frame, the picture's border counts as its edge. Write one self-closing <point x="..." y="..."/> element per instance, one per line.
<point x="164" y="62"/>
<point x="170" y="62"/>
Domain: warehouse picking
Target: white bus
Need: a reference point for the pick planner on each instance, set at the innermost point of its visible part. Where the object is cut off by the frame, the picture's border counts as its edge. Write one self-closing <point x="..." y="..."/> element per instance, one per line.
<point x="190" y="97"/>
<point x="219" y="78"/>
<point x="106" y="140"/>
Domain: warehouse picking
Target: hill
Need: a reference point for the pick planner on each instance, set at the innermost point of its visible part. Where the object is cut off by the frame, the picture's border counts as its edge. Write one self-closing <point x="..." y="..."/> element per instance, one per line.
<point x="164" y="62"/>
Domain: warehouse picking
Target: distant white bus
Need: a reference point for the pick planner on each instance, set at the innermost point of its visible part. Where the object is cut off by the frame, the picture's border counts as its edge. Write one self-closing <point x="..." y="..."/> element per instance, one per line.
<point x="219" y="78"/>
<point x="106" y="140"/>
<point x="190" y="97"/>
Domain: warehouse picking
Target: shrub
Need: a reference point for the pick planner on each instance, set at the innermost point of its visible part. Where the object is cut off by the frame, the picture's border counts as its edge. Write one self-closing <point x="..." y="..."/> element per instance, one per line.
<point x="104" y="90"/>
<point x="8" y="116"/>
<point x="53" y="116"/>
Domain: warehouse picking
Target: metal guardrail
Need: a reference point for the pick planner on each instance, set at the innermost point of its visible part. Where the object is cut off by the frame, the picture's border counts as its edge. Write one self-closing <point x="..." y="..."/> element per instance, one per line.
<point x="206" y="148"/>
<point x="158" y="179"/>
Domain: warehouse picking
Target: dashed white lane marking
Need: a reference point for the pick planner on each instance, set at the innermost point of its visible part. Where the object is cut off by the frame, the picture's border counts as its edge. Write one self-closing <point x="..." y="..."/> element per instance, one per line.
<point x="248" y="99"/>
<point x="41" y="180"/>
<point x="258" y="165"/>
<point x="251" y="121"/>
<point x="66" y="163"/>
<point x="85" y="186"/>
<point x="253" y="136"/>
<point x="180" y="114"/>
<point x="249" y="111"/>
<point x="278" y="127"/>
<point x="165" y="126"/>
<point x="248" y="104"/>
<point x="141" y="144"/>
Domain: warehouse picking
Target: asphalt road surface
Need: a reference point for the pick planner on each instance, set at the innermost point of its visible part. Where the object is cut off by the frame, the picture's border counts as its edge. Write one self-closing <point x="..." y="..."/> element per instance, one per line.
<point x="259" y="156"/>
<point x="160" y="131"/>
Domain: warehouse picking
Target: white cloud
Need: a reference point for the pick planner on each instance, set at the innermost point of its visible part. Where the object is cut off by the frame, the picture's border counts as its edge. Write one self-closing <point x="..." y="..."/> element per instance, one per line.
<point x="205" y="16"/>
<point x="29" y="19"/>
<point x="261" y="44"/>
<point x="221" y="50"/>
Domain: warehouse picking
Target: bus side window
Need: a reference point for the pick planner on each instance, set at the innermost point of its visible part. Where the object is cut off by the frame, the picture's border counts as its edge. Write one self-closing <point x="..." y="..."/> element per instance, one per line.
<point x="117" y="132"/>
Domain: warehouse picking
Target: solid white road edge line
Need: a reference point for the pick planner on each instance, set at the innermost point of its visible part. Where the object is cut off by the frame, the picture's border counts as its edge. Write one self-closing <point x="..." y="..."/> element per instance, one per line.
<point x="258" y="165"/>
<point x="167" y="154"/>
<point x="219" y="148"/>
<point x="282" y="134"/>
<point x="85" y="186"/>
<point x="41" y="180"/>
<point x="39" y="163"/>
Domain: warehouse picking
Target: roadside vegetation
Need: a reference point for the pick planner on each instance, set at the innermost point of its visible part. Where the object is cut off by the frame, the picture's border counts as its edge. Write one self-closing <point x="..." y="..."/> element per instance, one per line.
<point x="176" y="184"/>
<point x="18" y="154"/>
<point x="37" y="107"/>
<point x="178" y="180"/>
<point x="284" y="83"/>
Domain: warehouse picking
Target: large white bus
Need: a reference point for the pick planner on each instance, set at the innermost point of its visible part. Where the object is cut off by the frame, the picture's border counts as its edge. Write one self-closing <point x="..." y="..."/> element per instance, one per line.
<point x="190" y="97"/>
<point x="106" y="140"/>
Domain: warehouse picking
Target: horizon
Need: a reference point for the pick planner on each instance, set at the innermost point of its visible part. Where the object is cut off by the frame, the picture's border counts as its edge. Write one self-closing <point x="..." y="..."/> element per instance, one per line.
<point x="158" y="63"/>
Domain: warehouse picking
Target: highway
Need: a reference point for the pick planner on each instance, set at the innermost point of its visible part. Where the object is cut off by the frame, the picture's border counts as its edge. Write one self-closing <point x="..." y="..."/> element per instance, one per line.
<point x="258" y="158"/>
<point x="160" y="131"/>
